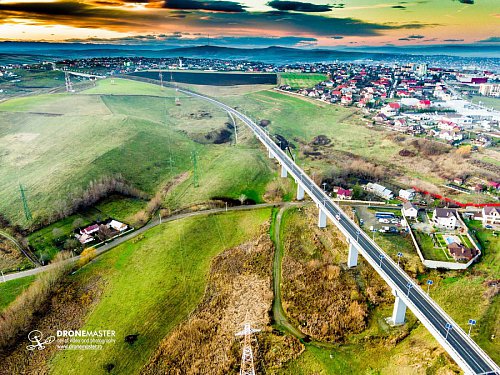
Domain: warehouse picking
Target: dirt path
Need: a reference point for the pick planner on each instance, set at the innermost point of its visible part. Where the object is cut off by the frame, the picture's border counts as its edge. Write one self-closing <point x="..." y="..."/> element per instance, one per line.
<point x="30" y="257"/>
<point x="278" y="312"/>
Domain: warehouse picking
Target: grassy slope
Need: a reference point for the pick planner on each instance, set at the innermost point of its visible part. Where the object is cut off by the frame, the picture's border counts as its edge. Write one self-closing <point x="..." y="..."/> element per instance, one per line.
<point x="11" y="289"/>
<point x="461" y="295"/>
<point x="294" y="117"/>
<point x="300" y="80"/>
<point x="177" y="258"/>
<point x="487" y="101"/>
<point x="56" y="144"/>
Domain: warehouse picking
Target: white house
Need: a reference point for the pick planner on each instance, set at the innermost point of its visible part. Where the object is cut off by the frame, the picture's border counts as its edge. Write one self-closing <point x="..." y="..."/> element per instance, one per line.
<point x="445" y="218"/>
<point x="116" y="225"/>
<point x="408" y="194"/>
<point x="409" y="210"/>
<point x="379" y="190"/>
<point x="491" y="216"/>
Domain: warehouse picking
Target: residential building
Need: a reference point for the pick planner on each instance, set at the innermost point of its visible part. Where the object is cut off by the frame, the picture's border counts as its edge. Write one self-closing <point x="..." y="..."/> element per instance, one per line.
<point x="489" y="89"/>
<point x="344" y="194"/>
<point x="379" y="190"/>
<point x="491" y="216"/>
<point x="408" y="194"/>
<point x="116" y="225"/>
<point x="445" y="218"/>
<point x="409" y="210"/>
<point x="90" y="229"/>
<point x="460" y="252"/>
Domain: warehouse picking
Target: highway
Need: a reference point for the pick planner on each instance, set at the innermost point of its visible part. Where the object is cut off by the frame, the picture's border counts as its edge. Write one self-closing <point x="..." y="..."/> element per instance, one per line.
<point x="468" y="355"/>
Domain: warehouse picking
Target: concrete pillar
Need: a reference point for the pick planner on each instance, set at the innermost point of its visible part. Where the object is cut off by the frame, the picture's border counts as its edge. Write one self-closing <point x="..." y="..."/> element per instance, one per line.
<point x="283" y="171"/>
<point x="271" y="156"/>
<point x="398" y="314"/>
<point x="300" y="192"/>
<point x="352" y="258"/>
<point x="321" y="218"/>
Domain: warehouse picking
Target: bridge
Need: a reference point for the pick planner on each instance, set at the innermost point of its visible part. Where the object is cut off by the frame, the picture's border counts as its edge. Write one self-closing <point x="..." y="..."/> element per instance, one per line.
<point x="408" y="294"/>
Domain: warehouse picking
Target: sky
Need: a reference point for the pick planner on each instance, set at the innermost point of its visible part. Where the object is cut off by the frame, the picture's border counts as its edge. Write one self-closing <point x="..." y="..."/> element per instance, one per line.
<point x="252" y="23"/>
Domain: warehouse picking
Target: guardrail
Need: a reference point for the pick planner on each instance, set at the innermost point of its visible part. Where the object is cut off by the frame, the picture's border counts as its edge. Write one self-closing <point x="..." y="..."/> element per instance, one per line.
<point x="321" y="201"/>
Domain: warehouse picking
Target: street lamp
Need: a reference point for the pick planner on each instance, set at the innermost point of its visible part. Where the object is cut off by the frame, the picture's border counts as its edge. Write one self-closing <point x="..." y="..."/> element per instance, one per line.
<point x="400" y="254"/>
<point x="471" y="323"/>
<point x="381" y="259"/>
<point x="409" y="285"/>
<point x="324" y="186"/>
<point x="429" y="283"/>
<point x="448" y="327"/>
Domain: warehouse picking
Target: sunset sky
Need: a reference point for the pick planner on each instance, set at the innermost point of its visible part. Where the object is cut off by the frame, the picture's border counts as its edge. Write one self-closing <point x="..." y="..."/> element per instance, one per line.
<point x="315" y="23"/>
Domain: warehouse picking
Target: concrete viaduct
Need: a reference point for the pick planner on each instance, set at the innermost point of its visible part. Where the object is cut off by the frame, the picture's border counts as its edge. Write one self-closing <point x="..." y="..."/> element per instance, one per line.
<point x="408" y="294"/>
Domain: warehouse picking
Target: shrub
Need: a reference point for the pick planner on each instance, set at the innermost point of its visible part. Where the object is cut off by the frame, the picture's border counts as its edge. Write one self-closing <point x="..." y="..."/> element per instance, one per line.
<point x="86" y="256"/>
<point x="17" y="318"/>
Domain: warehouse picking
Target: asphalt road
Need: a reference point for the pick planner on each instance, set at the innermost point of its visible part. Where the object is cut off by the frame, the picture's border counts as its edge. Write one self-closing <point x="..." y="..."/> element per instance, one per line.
<point x="117" y="241"/>
<point x="467" y="353"/>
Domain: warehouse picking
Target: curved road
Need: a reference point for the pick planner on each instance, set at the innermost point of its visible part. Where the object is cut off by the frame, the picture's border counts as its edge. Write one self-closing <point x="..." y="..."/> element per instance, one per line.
<point x="449" y="334"/>
<point x="135" y="233"/>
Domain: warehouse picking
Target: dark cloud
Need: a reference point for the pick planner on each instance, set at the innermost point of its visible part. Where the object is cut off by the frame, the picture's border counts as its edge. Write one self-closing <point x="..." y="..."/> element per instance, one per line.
<point x="466" y="1"/>
<point x="453" y="40"/>
<point x="398" y="7"/>
<point x="412" y="37"/>
<point x="214" y="6"/>
<point x="337" y="37"/>
<point x="76" y="14"/>
<point x="179" y="39"/>
<point x="491" y="39"/>
<point x="298" y="6"/>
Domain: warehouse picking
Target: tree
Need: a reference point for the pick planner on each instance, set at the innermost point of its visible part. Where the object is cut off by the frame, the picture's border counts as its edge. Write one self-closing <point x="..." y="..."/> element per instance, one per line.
<point x="71" y="244"/>
<point x="357" y="191"/>
<point x="86" y="256"/>
<point x="464" y="151"/>
<point x="57" y="233"/>
<point x="77" y="223"/>
<point x="242" y="198"/>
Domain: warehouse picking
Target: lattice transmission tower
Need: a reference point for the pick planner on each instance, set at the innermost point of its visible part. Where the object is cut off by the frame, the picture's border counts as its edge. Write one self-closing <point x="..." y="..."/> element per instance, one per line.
<point x="194" y="156"/>
<point x="69" y="85"/>
<point x="247" y="367"/>
<point x="27" y="212"/>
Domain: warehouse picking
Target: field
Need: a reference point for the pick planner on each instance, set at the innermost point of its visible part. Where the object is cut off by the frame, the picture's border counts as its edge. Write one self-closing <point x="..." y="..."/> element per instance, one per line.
<point x="11" y="289"/>
<point x="375" y="349"/>
<point x="57" y="144"/>
<point x="487" y="101"/>
<point x="300" y="80"/>
<point x="29" y="81"/>
<point x="369" y="152"/>
<point x="177" y="256"/>
<point x="46" y="245"/>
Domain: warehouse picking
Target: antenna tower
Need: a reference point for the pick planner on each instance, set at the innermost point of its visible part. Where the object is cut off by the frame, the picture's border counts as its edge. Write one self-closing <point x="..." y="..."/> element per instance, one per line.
<point x="27" y="212"/>
<point x="247" y="366"/>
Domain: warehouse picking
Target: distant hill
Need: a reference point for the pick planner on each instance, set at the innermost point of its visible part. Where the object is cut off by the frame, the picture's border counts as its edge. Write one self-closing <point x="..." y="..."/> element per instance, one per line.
<point x="44" y="50"/>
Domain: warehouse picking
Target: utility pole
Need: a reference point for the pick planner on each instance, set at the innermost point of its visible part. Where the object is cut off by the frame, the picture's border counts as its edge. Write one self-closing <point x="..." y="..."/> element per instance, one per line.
<point x="161" y="80"/>
<point x="27" y="212"/>
<point x="247" y="366"/>
<point x="195" y="168"/>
